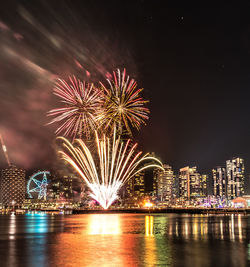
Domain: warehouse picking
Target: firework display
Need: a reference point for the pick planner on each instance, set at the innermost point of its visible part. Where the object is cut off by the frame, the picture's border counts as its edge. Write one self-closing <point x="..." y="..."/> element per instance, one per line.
<point x="116" y="162"/>
<point x="82" y="111"/>
<point x="124" y="108"/>
<point x="112" y="110"/>
<point x="88" y="108"/>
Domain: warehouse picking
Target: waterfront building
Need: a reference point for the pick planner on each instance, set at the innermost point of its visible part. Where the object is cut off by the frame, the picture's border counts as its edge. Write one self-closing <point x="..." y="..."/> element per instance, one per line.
<point x="12" y="186"/>
<point x="155" y="174"/>
<point x="175" y="192"/>
<point x="191" y="183"/>
<point x="235" y="177"/>
<point x="204" y="185"/>
<point x="141" y="185"/>
<point x="68" y="187"/>
<point x="241" y="202"/>
<point x="164" y="183"/>
<point x="135" y="188"/>
<point x="64" y="188"/>
<point x="219" y="182"/>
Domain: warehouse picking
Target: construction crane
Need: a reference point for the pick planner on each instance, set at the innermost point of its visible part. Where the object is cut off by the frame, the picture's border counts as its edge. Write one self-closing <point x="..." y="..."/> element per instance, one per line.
<point x="4" y="150"/>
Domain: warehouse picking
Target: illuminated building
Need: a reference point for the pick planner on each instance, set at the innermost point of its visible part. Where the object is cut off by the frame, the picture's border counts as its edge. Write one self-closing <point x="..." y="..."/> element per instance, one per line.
<point x="54" y="188"/>
<point x="155" y="173"/>
<point x="68" y="187"/>
<point x="164" y="183"/>
<point x="12" y="189"/>
<point x="64" y="188"/>
<point x="184" y="182"/>
<point x="204" y="180"/>
<point x="175" y="190"/>
<point x="235" y="177"/>
<point x="191" y="183"/>
<point x="219" y="182"/>
<point x="136" y="186"/>
<point x="243" y="202"/>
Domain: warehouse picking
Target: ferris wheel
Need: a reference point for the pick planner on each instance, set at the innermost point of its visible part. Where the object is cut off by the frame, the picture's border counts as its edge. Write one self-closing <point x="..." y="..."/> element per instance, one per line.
<point x="37" y="185"/>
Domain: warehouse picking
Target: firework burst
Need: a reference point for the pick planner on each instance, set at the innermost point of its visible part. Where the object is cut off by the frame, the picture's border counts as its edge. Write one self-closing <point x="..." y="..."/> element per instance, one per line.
<point x="117" y="162"/>
<point x="82" y="108"/>
<point x="124" y="108"/>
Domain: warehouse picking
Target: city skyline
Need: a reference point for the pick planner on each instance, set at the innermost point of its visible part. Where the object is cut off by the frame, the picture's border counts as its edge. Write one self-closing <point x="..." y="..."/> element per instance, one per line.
<point x="169" y="180"/>
<point x="149" y="180"/>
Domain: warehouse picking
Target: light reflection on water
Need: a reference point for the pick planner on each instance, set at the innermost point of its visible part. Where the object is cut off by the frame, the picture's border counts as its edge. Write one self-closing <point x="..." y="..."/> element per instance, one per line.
<point x="208" y="227"/>
<point x="12" y="226"/>
<point x="149" y="225"/>
<point x="104" y="224"/>
<point x="150" y="243"/>
<point x="37" y="223"/>
<point x="125" y="240"/>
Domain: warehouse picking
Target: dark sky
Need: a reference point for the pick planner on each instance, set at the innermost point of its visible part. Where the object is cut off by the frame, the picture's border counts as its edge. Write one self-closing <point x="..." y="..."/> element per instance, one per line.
<point x="191" y="57"/>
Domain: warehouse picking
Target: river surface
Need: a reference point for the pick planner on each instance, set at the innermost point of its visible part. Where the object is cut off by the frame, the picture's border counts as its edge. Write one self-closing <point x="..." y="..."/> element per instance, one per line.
<point x="124" y="240"/>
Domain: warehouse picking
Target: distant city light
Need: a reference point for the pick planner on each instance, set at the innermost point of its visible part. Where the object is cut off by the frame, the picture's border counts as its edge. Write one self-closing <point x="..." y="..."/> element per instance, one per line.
<point x="148" y="204"/>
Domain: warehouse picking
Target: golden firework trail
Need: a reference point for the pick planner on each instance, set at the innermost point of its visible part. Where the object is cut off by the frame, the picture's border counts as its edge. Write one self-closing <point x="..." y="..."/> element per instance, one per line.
<point x="116" y="162"/>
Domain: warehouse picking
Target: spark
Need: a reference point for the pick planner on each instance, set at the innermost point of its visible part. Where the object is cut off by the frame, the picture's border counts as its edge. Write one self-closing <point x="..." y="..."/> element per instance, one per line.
<point x="106" y="172"/>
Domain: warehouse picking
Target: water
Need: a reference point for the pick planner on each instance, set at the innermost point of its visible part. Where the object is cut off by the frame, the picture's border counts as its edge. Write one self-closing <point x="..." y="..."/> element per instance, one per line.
<point x="124" y="240"/>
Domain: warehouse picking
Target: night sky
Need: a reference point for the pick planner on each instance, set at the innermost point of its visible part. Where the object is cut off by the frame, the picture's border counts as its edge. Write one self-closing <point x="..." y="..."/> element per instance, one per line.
<point x="191" y="57"/>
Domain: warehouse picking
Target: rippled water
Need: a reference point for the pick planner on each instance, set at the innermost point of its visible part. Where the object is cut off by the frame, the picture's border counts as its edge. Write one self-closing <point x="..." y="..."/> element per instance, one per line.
<point x="124" y="240"/>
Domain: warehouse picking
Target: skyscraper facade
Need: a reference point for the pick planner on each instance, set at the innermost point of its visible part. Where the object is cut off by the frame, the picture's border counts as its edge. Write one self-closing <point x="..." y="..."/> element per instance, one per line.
<point x="235" y="177"/>
<point x="204" y="185"/>
<point x="64" y="187"/>
<point x="191" y="183"/>
<point x="219" y="182"/>
<point x="135" y="188"/>
<point x="12" y="187"/>
<point x="164" y="183"/>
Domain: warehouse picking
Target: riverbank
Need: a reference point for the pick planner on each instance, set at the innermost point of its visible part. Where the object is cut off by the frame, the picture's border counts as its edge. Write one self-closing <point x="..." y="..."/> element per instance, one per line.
<point x="136" y="210"/>
<point x="167" y="210"/>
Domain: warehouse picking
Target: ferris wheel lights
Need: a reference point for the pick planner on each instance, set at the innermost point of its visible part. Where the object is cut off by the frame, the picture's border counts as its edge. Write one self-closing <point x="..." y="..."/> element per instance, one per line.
<point x="37" y="185"/>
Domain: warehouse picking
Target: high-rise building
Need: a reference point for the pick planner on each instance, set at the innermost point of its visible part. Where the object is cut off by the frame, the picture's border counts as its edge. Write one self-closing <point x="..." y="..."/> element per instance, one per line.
<point x="12" y="187"/>
<point x="176" y="186"/>
<point x="141" y="184"/>
<point x="63" y="187"/>
<point x="164" y="183"/>
<point x="191" y="183"/>
<point x="136" y="186"/>
<point x="235" y="177"/>
<point x="204" y="185"/>
<point x="155" y="173"/>
<point x="219" y="182"/>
